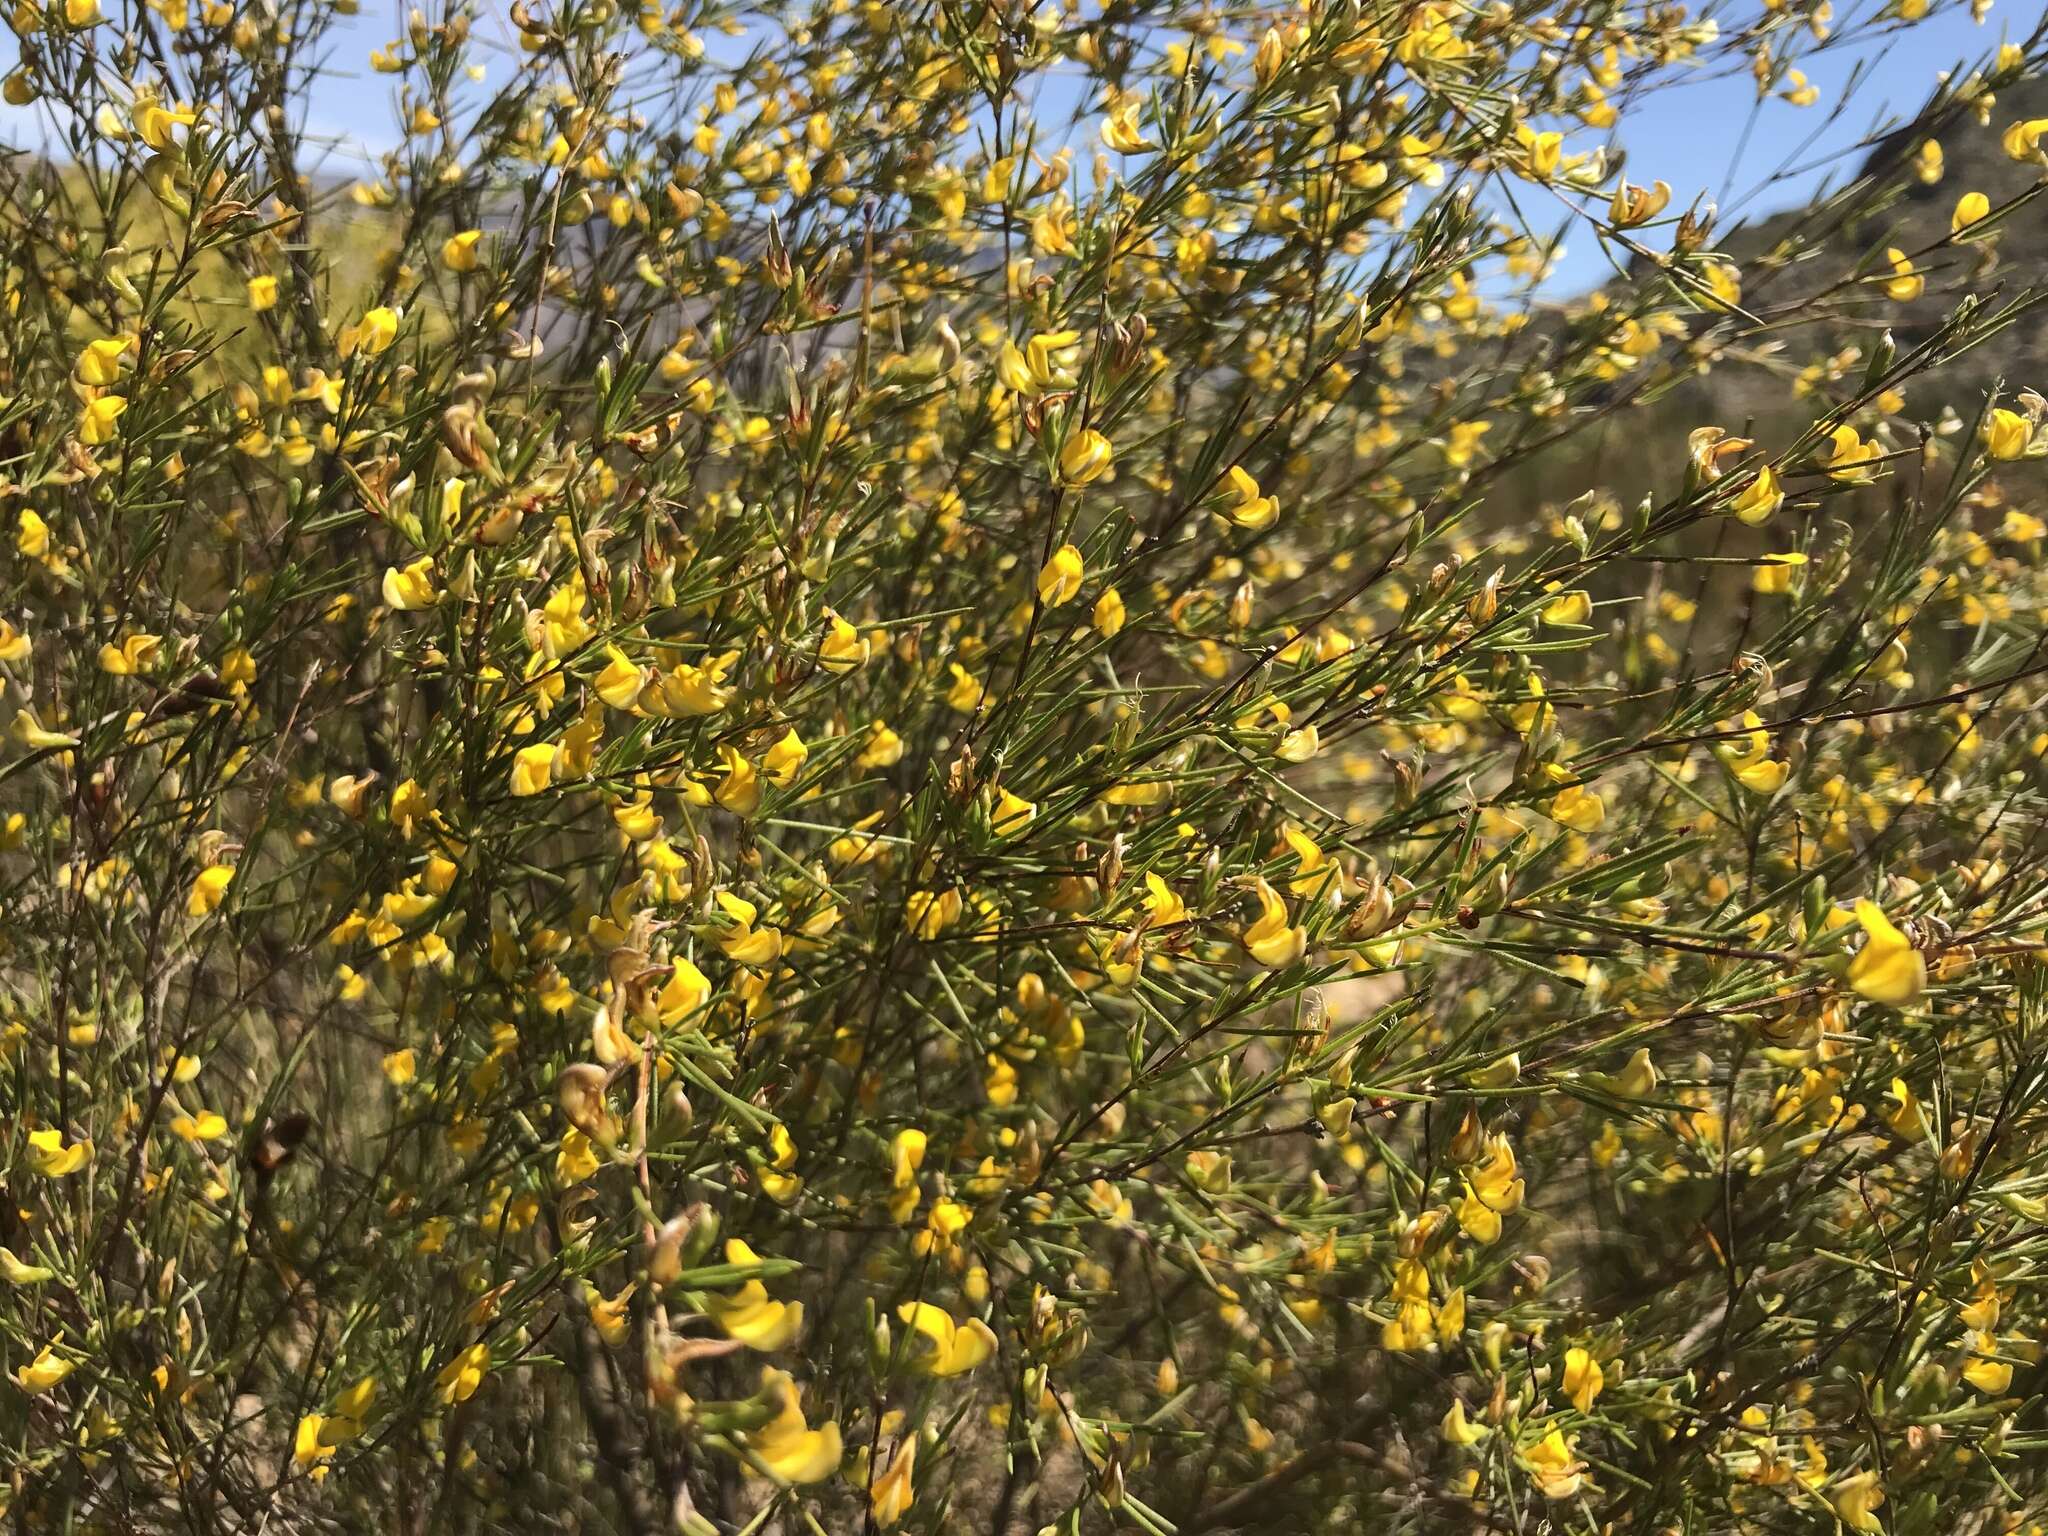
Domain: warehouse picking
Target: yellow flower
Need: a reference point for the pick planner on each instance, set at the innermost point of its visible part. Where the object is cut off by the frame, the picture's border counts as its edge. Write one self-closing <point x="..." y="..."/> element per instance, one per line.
<point x="749" y="1315"/>
<point x="2007" y="434"/>
<point x="906" y="1156"/>
<point x="2022" y="141"/>
<point x="786" y="1446"/>
<point x="892" y="1493"/>
<point x="457" y="1381"/>
<point x="1041" y="364"/>
<point x="1773" y="574"/>
<point x="1578" y="807"/>
<point x="966" y="693"/>
<point x="1905" y="283"/>
<point x="884" y="749"/>
<point x="52" y="1158"/>
<point x="132" y="656"/>
<point x="783" y="761"/>
<point x="1759" y="501"/>
<point x="931" y="913"/>
<point x="1166" y="907"/>
<point x="1907" y="1118"/>
<point x="411" y="587"/>
<point x="1887" y="969"/>
<point x="1300" y="744"/>
<point x="685" y="993"/>
<point x="1764" y="778"/>
<point x="155" y="124"/>
<point x="742" y="941"/>
<point x="31" y="733"/>
<point x="1637" y="1078"/>
<point x="1497" y="1181"/>
<point x="100" y="363"/>
<point x="1551" y="1461"/>
<point x="208" y="889"/>
<point x="690" y="691"/>
<point x="1269" y="939"/>
<point x="1108" y="617"/>
<point x="97" y="420"/>
<point x="1457" y="1429"/>
<point x="1632" y="205"/>
<point x="1059" y="579"/>
<point x="1752" y="746"/>
<point x="1981" y="1314"/>
<point x="946" y="1220"/>
<point x="843" y="649"/>
<point x="262" y="292"/>
<point x="608" y="1314"/>
<point x="43" y="1372"/>
<point x="1568" y="609"/>
<point x="1856" y="1500"/>
<point x="375" y="333"/>
<point x="1011" y="813"/>
<point x="350" y="1411"/>
<point x="1542" y="151"/>
<point x="1316" y="873"/>
<point x="1583" y="1379"/>
<point x="739" y="791"/>
<point x="620" y="682"/>
<point x="205" y="1126"/>
<point x="1971" y="208"/>
<point x="1984" y="1371"/>
<point x="1120" y="127"/>
<point x="1086" y="458"/>
<point x="458" y="251"/>
<point x="955" y="1348"/>
<point x="1847" y="457"/>
<point x="1252" y="510"/>
<point x="533" y="768"/>
<point x="576" y="1158"/>
<point x="1477" y="1219"/>
<point x="307" y="1448"/>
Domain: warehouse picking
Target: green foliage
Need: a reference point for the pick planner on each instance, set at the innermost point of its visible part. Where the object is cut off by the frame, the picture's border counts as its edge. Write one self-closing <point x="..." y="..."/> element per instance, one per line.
<point x="764" y="798"/>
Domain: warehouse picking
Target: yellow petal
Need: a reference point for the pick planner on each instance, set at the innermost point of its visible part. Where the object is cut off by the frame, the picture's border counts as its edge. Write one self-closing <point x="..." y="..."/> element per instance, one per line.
<point x="1888" y="969"/>
<point x="756" y="1321"/>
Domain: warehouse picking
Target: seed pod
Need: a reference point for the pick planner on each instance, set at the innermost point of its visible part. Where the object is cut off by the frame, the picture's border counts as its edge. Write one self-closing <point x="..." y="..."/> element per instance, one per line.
<point x="580" y="1089"/>
<point x="1109" y="869"/>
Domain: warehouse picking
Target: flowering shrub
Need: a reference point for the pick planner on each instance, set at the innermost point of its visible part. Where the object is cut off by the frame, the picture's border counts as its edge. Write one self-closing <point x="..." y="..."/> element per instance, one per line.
<point x="868" y="767"/>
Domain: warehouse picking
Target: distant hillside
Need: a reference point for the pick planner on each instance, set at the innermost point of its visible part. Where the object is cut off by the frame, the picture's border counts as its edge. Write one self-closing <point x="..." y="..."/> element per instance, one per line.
<point x="1810" y="274"/>
<point x="1803" y="255"/>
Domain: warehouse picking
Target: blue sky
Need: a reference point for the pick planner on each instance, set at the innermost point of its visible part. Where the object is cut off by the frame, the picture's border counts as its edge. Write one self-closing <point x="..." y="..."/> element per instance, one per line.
<point x="1688" y="133"/>
<point x="1691" y="133"/>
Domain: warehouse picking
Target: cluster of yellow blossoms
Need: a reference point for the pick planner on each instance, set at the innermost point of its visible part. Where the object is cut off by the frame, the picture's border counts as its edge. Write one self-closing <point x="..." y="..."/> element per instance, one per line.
<point x="889" y="767"/>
